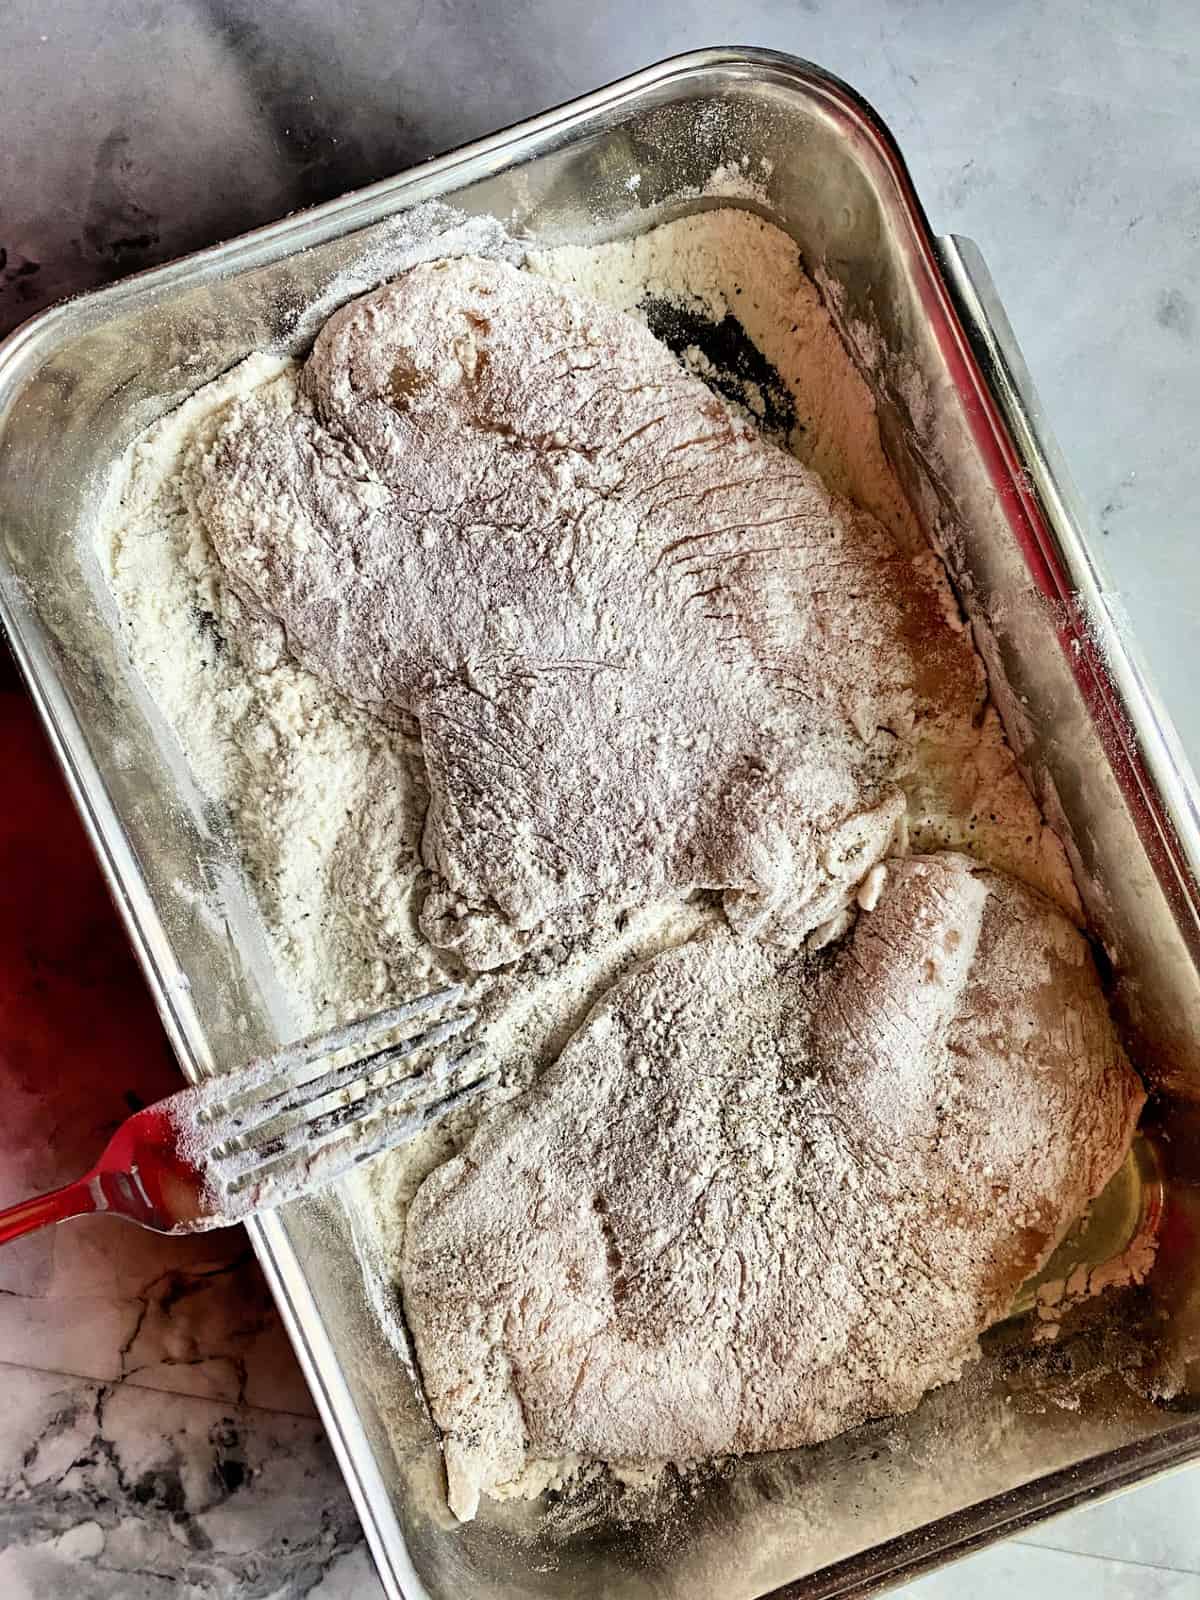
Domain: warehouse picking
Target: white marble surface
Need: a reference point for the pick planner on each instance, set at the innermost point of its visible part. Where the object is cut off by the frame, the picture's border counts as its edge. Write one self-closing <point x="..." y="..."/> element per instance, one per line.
<point x="118" y="1490"/>
<point x="155" y="1436"/>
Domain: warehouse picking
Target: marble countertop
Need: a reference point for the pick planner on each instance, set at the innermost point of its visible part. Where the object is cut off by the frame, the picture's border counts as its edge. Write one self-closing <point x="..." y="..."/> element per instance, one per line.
<point x="156" y="1436"/>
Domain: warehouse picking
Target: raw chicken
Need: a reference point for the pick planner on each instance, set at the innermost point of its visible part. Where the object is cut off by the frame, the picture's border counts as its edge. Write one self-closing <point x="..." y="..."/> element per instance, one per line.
<point x="760" y="1197"/>
<point x="647" y="650"/>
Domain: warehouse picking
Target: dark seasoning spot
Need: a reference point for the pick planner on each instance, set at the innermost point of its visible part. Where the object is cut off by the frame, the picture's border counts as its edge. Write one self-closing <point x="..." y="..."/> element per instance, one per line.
<point x="738" y="364"/>
<point x="207" y="623"/>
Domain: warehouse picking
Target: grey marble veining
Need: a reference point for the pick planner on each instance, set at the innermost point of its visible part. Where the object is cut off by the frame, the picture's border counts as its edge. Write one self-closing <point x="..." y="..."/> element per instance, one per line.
<point x="180" y="1316"/>
<point x="155" y="1435"/>
<point x="108" y="1492"/>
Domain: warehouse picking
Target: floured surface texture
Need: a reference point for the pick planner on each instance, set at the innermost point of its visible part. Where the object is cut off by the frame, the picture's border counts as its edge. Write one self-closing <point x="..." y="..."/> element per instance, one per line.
<point x="488" y="665"/>
<point x="648" y="652"/>
<point x="758" y="1200"/>
<point x="324" y="806"/>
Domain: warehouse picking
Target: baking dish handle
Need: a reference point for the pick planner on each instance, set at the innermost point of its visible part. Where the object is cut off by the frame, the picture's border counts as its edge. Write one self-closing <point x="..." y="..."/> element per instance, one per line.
<point x="995" y="347"/>
<point x="994" y="344"/>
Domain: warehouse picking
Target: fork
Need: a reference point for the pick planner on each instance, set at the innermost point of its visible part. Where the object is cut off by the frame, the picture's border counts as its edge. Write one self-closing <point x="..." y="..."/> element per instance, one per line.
<point x="284" y="1125"/>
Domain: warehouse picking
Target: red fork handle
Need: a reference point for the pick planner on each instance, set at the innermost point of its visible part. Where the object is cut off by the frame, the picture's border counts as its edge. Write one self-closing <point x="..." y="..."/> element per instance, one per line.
<point x="72" y="1200"/>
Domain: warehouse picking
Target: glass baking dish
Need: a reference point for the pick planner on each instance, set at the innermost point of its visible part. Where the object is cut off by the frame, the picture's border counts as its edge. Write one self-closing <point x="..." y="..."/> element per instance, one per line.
<point x="1033" y="1428"/>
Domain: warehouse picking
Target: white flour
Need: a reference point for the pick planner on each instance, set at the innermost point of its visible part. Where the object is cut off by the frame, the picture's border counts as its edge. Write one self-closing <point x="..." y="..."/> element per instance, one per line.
<point x="648" y="651"/>
<point x="728" y="263"/>
<point x="324" y="804"/>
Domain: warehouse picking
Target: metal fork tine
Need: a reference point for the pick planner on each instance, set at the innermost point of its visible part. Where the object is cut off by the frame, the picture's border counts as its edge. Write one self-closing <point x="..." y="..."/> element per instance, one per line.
<point x="335" y="1157"/>
<point x="258" y="1113"/>
<point x="257" y="1076"/>
<point x="309" y="1135"/>
<point x="421" y="1117"/>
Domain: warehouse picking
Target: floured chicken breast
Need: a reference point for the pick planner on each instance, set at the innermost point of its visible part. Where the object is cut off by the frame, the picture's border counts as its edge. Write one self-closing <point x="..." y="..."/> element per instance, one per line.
<point x="761" y="1197"/>
<point x="646" y="649"/>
